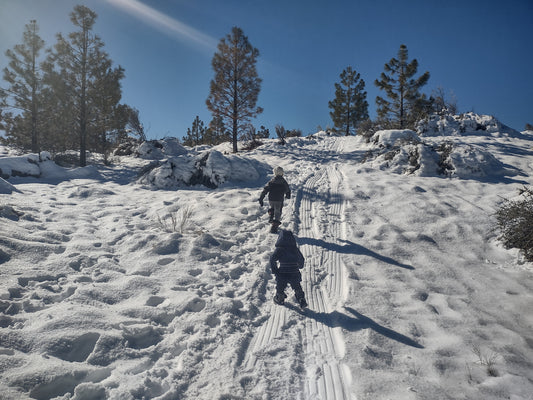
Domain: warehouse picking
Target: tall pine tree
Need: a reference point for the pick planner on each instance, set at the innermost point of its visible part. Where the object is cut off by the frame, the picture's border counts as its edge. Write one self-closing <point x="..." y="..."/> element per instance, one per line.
<point x="349" y="107"/>
<point x="406" y="104"/>
<point x="24" y="91"/>
<point x="80" y="73"/>
<point x="235" y="88"/>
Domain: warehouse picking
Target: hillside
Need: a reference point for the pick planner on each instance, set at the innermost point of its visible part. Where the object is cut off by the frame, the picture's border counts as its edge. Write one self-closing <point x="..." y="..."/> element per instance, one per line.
<point x="149" y="279"/>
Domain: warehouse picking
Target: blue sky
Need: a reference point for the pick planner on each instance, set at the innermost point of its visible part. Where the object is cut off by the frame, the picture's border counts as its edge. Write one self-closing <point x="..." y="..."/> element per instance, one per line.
<point x="481" y="52"/>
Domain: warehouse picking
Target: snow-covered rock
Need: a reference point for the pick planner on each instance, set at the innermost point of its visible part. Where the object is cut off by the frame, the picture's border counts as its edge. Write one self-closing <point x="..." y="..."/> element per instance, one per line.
<point x="210" y="169"/>
<point x="463" y="124"/>
<point x="159" y="149"/>
<point x="403" y="152"/>
<point x="40" y="166"/>
<point x="395" y="137"/>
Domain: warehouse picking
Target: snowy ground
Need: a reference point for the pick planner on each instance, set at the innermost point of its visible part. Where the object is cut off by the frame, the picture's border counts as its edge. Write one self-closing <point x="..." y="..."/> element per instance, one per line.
<point x="411" y="296"/>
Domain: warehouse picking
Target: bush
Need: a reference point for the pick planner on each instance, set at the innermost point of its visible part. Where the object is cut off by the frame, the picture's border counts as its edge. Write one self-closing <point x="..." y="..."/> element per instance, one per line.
<point x="515" y="221"/>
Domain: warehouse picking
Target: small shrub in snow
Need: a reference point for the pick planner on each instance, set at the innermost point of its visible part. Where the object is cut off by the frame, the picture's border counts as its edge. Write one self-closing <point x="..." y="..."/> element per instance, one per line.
<point x="445" y="165"/>
<point x="487" y="360"/>
<point x="176" y="221"/>
<point x="515" y="221"/>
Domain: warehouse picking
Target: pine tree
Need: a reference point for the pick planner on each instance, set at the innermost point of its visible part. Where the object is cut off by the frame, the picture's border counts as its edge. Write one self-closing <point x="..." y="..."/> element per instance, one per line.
<point x="131" y="122"/>
<point x="80" y="75"/>
<point x="104" y="96"/>
<point x="24" y="91"/>
<point x="235" y="88"/>
<point x="216" y="133"/>
<point x="195" y="135"/>
<point x="406" y="104"/>
<point x="263" y="133"/>
<point x="349" y="107"/>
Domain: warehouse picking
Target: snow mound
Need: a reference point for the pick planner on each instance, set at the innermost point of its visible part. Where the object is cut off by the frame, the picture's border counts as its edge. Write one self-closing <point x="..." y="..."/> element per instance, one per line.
<point x="403" y="152"/>
<point x="463" y="124"/>
<point x="394" y="137"/>
<point x="159" y="149"/>
<point x="39" y="166"/>
<point x="210" y="168"/>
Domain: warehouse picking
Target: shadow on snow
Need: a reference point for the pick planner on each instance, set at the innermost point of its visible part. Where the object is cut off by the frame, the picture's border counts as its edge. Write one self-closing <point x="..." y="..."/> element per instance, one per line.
<point x="353" y="323"/>
<point x="352" y="248"/>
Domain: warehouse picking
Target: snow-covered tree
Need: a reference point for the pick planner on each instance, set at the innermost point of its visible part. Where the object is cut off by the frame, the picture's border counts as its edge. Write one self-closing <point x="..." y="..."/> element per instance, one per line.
<point x="406" y="104"/>
<point x="349" y="107"/>
<point x="235" y="88"/>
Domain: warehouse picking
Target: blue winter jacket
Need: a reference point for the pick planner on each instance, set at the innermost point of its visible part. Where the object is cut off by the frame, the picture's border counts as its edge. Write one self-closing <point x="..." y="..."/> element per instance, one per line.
<point x="287" y="254"/>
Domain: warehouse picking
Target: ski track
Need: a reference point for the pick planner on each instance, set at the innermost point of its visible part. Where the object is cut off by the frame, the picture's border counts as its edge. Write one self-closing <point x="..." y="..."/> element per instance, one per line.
<point x="316" y="206"/>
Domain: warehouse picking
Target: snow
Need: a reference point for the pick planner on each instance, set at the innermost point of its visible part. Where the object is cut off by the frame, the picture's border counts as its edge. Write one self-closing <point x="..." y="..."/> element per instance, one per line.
<point x="130" y="281"/>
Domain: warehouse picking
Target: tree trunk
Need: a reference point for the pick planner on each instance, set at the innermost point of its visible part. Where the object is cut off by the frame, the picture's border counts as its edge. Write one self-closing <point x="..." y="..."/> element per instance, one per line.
<point x="34" y="138"/>
<point x="235" y="116"/>
<point x="83" y="102"/>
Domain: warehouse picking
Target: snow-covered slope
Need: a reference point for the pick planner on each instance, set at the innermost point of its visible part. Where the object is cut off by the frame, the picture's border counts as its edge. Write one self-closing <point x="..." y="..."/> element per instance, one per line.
<point x="114" y="289"/>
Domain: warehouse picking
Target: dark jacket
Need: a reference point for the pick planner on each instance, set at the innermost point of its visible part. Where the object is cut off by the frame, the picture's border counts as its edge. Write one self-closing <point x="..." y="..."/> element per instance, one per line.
<point x="277" y="189"/>
<point x="290" y="258"/>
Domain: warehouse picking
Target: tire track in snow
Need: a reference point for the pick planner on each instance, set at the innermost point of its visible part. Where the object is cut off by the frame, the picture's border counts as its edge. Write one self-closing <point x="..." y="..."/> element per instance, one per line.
<point x="326" y="377"/>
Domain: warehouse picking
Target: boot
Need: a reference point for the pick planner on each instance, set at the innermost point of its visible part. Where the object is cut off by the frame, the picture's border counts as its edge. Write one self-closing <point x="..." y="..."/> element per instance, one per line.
<point x="275" y="226"/>
<point x="279" y="298"/>
<point x="303" y="303"/>
<point x="270" y="215"/>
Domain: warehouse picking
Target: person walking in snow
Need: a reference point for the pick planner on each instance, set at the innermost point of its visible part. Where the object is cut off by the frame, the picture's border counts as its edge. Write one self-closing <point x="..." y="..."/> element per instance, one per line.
<point x="278" y="189"/>
<point x="290" y="260"/>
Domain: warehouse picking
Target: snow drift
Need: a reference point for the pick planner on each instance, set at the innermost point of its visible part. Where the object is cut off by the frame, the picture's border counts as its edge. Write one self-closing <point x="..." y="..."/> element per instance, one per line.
<point x="411" y="294"/>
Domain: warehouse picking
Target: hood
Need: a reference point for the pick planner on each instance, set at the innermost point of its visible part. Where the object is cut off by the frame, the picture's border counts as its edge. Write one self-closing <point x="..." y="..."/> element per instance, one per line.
<point x="286" y="239"/>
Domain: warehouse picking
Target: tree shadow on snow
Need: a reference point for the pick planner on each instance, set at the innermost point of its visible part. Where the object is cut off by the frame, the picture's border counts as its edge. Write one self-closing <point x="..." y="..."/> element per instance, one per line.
<point x="352" y="248"/>
<point x="355" y="323"/>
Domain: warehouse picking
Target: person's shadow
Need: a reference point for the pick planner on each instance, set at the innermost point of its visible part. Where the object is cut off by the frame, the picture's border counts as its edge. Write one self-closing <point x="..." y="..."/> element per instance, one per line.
<point x="351" y="248"/>
<point x="353" y="323"/>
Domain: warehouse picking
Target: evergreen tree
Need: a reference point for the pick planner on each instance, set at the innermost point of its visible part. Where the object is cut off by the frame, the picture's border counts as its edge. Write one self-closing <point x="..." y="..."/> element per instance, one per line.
<point x="235" y="88"/>
<point x="24" y="91"/>
<point x="195" y="135"/>
<point x="104" y="95"/>
<point x="405" y="105"/>
<point x="349" y="107"/>
<point x="83" y="83"/>
<point x="132" y="122"/>
<point x="263" y="133"/>
<point x="216" y="133"/>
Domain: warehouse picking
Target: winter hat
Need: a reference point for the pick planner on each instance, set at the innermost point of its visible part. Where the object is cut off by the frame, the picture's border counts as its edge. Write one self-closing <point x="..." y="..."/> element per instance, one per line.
<point x="278" y="171"/>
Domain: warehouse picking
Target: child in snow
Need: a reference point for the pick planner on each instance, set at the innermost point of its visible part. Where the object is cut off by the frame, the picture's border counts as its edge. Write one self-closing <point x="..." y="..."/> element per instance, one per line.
<point x="290" y="260"/>
<point x="277" y="190"/>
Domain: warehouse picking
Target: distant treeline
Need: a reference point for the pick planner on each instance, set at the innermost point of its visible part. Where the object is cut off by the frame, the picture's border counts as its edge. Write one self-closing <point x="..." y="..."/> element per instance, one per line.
<point x="67" y="97"/>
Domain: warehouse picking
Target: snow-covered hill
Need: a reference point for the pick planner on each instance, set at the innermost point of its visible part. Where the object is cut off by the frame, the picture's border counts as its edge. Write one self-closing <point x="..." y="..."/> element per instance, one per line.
<point x="119" y="286"/>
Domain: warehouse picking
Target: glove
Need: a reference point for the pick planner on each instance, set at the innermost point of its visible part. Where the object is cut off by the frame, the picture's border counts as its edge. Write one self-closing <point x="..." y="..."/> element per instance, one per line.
<point x="261" y="202"/>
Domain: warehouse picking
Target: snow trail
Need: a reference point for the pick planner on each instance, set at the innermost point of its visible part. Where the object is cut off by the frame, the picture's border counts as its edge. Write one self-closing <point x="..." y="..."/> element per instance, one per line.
<point x="326" y="377"/>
